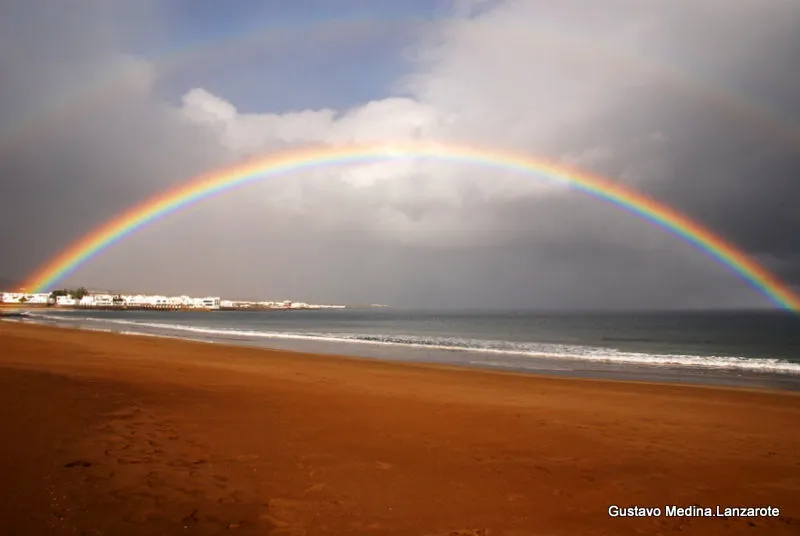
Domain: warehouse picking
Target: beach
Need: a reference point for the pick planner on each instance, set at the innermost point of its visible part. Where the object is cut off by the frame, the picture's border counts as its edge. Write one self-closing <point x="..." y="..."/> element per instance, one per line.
<point x="117" y="434"/>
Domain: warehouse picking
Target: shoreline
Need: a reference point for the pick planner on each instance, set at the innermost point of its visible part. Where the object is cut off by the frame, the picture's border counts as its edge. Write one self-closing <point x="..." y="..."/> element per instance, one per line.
<point x="421" y="365"/>
<point x="469" y="358"/>
<point x="143" y="435"/>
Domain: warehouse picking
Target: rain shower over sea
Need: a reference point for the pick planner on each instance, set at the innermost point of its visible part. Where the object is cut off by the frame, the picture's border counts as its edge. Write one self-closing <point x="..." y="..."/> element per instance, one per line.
<point x="757" y="349"/>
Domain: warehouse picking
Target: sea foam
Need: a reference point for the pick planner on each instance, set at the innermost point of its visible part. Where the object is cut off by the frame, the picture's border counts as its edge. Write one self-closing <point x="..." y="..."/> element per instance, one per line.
<point x="455" y="344"/>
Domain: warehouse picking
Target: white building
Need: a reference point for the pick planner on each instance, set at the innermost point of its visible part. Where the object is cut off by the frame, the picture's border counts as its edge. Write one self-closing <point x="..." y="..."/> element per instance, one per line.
<point x="87" y="301"/>
<point x="10" y="297"/>
<point x="135" y="301"/>
<point x="66" y="300"/>
<point x="159" y="301"/>
<point x="206" y="303"/>
<point x="23" y="297"/>
<point x="103" y="300"/>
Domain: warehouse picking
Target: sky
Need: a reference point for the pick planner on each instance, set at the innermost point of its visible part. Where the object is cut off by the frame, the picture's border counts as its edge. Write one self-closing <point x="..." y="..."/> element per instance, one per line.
<point x="104" y="103"/>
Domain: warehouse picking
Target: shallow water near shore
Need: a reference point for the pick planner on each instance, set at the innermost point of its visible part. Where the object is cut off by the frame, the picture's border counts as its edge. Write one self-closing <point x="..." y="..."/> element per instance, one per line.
<point x="752" y="349"/>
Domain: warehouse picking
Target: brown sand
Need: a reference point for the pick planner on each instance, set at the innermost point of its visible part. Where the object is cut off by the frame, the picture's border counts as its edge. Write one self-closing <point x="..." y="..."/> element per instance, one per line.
<point x="116" y="435"/>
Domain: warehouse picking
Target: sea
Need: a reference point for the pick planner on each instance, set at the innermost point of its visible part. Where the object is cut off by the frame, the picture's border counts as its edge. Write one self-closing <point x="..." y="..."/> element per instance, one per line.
<point x="759" y="349"/>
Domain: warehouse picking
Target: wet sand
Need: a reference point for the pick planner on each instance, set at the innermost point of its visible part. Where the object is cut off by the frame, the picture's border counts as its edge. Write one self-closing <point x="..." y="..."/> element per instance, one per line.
<point x="113" y="434"/>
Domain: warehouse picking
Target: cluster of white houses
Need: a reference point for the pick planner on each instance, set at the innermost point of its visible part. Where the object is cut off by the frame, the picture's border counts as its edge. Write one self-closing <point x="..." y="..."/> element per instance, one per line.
<point x="21" y="297"/>
<point x="113" y="300"/>
<point x="141" y="301"/>
<point x="286" y="304"/>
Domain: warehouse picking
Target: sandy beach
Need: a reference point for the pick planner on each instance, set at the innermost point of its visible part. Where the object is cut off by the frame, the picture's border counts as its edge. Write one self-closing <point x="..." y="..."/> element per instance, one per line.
<point x="113" y="434"/>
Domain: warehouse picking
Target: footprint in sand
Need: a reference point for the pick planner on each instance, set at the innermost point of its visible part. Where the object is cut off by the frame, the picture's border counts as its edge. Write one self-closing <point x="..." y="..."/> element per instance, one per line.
<point x="78" y="463"/>
<point x="462" y="532"/>
<point x="285" y="516"/>
<point x="357" y="525"/>
<point x="316" y="487"/>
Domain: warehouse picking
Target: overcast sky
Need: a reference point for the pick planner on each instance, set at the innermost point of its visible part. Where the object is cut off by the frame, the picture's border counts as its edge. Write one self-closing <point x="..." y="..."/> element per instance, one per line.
<point x="694" y="102"/>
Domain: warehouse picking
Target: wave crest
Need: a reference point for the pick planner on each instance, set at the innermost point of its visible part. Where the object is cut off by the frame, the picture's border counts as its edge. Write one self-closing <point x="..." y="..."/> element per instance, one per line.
<point x="488" y="347"/>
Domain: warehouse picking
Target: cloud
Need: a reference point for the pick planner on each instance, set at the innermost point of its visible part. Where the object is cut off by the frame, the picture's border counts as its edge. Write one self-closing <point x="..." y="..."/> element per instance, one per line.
<point x="71" y="155"/>
<point x="605" y="86"/>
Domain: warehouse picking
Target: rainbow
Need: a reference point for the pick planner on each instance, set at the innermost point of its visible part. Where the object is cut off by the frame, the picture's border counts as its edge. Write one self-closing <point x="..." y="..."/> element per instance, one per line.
<point x="217" y="182"/>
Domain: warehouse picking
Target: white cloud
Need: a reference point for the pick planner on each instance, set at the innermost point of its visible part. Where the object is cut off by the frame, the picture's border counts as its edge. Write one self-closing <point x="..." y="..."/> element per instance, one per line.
<point x="204" y="107"/>
<point x="515" y="76"/>
<point x="501" y="79"/>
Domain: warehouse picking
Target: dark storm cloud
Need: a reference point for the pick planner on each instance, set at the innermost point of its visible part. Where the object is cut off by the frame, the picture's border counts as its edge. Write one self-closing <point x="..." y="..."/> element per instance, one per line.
<point x="738" y="180"/>
<point x="81" y="138"/>
<point x="723" y="148"/>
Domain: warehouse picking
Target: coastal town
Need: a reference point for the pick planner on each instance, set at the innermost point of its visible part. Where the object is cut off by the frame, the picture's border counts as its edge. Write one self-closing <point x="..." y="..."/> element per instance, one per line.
<point x="82" y="298"/>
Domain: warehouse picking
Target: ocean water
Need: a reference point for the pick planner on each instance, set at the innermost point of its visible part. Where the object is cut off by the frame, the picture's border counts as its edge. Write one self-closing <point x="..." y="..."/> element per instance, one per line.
<point x="759" y="349"/>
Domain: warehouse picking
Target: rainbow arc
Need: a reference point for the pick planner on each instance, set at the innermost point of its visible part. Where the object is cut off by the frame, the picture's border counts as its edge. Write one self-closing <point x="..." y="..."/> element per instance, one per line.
<point x="217" y="182"/>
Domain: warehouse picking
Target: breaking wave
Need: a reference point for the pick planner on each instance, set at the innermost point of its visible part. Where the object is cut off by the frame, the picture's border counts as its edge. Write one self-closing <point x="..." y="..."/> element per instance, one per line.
<point x="497" y="348"/>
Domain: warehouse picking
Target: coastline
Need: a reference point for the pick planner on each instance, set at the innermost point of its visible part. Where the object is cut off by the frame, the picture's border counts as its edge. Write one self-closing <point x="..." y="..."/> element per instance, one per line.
<point x="146" y="435"/>
<point x="368" y="360"/>
<point x="677" y="369"/>
<point x="37" y="307"/>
